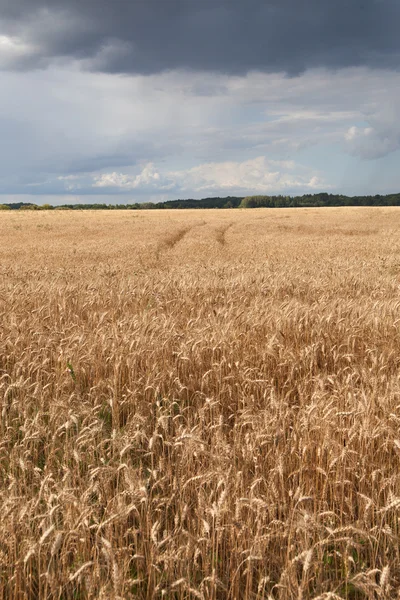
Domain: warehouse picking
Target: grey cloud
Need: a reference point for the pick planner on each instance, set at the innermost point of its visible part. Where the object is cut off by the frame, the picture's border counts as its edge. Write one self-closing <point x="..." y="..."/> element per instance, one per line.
<point x="380" y="135"/>
<point x="370" y="143"/>
<point x="77" y="127"/>
<point x="231" y="36"/>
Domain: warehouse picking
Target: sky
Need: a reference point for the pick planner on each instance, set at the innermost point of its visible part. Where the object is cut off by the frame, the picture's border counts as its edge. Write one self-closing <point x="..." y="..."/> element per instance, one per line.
<point x="122" y="101"/>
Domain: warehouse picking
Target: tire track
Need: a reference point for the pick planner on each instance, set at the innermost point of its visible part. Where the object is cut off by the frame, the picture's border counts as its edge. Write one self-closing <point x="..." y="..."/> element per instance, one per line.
<point x="174" y="238"/>
<point x="220" y="235"/>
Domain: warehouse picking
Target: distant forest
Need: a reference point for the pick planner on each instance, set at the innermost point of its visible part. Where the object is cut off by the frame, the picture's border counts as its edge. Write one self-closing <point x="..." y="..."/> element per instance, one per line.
<point x="307" y="200"/>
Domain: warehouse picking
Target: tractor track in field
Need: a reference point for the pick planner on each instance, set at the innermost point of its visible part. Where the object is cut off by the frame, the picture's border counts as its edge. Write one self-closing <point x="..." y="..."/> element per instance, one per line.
<point x="174" y="238"/>
<point x="220" y="235"/>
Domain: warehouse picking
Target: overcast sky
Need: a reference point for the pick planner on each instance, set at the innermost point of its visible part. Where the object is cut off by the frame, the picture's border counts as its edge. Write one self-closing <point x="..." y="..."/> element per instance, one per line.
<point x="134" y="100"/>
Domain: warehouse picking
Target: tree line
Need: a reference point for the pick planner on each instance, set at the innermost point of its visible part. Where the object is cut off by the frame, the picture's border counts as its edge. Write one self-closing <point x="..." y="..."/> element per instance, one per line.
<point x="280" y="201"/>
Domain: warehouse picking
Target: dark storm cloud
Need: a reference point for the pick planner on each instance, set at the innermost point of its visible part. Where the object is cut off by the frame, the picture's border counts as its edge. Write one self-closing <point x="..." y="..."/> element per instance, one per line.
<point x="231" y="36"/>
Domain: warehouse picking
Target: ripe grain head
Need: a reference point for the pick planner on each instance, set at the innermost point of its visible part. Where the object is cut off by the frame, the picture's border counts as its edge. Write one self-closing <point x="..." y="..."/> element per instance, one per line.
<point x="200" y="404"/>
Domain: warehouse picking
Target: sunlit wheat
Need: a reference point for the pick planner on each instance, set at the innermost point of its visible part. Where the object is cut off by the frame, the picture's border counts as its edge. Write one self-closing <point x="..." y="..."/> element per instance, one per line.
<point x="200" y="404"/>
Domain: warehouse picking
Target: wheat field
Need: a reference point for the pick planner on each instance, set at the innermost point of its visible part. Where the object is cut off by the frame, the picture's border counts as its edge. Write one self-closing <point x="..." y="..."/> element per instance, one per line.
<point x="200" y="404"/>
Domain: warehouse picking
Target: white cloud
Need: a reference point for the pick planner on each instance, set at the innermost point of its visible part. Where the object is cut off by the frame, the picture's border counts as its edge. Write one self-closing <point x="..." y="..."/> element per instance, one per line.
<point x="146" y="178"/>
<point x="253" y="175"/>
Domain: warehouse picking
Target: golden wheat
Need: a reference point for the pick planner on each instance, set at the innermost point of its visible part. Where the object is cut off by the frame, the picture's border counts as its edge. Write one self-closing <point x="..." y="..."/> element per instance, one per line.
<point x="200" y="404"/>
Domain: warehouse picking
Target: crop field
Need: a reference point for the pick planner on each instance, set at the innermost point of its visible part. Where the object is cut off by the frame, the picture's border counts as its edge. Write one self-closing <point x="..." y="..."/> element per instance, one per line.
<point x="200" y="404"/>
